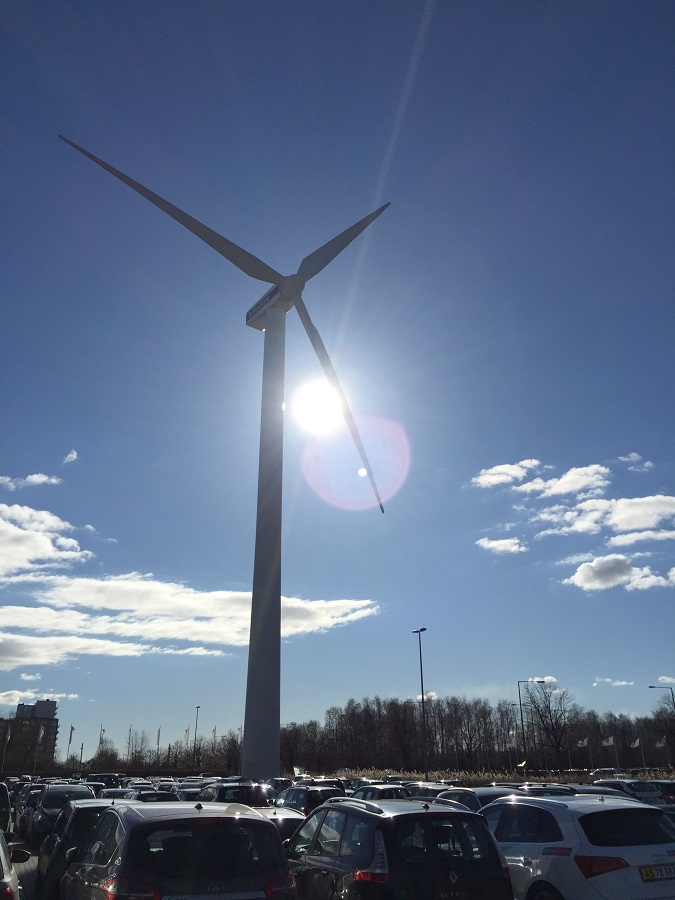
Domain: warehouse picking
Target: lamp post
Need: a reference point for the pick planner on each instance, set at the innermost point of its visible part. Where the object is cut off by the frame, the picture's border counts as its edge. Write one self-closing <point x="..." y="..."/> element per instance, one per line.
<point x="194" y="754"/>
<point x="418" y="632"/>
<point x="520" y="704"/>
<point x="665" y="687"/>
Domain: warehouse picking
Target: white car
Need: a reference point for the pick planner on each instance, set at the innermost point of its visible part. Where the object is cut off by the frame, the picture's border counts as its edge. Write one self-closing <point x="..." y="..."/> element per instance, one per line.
<point x="633" y="787"/>
<point x="585" y="848"/>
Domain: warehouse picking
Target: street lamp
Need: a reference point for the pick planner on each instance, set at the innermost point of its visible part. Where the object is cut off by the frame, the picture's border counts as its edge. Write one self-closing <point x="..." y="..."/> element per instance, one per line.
<point x="665" y="687"/>
<point x="520" y="704"/>
<point x="194" y="755"/>
<point x="418" y="632"/>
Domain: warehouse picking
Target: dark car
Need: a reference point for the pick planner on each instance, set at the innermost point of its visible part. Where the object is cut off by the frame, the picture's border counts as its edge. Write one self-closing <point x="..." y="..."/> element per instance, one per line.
<point x="5" y="807"/>
<point x="478" y="797"/>
<point x="72" y="824"/>
<point x="48" y="807"/>
<point x="286" y="819"/>
<point x="307" y="798"/>
<point x="381" y="792"/>
<point x="395" y="850"/>
<point x="425" y="788"/>
<point x="248" y="792"/>
<point x="152" y="796"/>
<point x="24" y="806"/>
<point x="154" y="850"/>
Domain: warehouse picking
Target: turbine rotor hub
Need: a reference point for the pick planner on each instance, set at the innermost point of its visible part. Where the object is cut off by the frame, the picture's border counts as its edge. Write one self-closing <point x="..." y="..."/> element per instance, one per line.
<point x="291" y="287"/>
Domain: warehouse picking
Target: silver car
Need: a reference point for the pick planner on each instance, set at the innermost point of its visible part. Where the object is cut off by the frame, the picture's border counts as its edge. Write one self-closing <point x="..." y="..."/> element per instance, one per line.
<point x="9" y="880"/>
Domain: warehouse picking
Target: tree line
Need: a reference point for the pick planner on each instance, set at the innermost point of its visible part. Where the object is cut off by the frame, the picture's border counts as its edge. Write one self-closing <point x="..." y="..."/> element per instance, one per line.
<point x="547" y="731"/>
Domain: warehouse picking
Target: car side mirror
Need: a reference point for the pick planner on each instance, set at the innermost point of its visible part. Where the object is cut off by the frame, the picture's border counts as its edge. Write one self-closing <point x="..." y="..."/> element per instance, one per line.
<point x="19" y="855"/>
<point x="291" y="853"/>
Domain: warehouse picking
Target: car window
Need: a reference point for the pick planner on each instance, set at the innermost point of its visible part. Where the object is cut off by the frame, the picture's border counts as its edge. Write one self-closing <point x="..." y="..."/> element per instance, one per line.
<point x="98" y="839"/>
<point x="442" y="837"/>
<point x="549" y="830"/>
<point x="330" y="834"/>
<point x="305" y="836"/>
<point x="627" y="827"/>
<point x="520" y="825"/>
<point x="56" y="799"/>
<point x="492" y="816"/>
<point x="357" y="842"/>
<point x="205" y="849"/>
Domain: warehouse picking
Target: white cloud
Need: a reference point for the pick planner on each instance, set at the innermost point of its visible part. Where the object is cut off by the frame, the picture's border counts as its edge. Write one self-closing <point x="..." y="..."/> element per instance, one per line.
<point x="612" y="682"/>
<point x="503" y="545"/>
<point x="666" y="679"/>
<point x="615" y="571"/>
<point x="638" y="513"/>
<point x="13" y="484"/>
<point x="13" y="698"/>
<point x="549" y="679"/>
<point x="638" y="464"/>
<point x="34" y="677"/>
<point x="70" y="457"/>
<point x="32" y="539"/>
<point x="632" y="537"/>
<point x="589" y="480"/>
<point x="504" y="474"/>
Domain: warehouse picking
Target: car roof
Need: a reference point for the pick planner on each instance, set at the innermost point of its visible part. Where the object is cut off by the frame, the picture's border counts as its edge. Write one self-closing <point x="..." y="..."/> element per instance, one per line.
<point x="578" y="803"/>
<point x="182" y="809"/>
<point x="409" y="806"/>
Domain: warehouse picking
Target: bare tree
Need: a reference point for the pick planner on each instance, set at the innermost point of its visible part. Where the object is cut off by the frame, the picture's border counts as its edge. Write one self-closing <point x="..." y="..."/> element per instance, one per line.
<point x="550" y="710"/>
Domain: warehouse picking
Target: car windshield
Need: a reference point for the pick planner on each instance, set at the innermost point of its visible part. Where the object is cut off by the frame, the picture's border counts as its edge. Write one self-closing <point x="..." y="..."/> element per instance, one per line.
<point x="627" y="827"/>
<point x="441" y="837"/>
<point x="56" y="799"/>
<point x="206" y="849"/>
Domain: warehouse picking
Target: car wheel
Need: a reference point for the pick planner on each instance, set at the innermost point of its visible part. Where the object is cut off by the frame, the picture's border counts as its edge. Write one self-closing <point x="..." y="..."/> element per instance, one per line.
<point x="547" y="893"/>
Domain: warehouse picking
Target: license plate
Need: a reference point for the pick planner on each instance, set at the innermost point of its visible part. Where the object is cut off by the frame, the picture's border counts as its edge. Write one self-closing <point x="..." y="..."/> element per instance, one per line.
<point x="657" y="873"/>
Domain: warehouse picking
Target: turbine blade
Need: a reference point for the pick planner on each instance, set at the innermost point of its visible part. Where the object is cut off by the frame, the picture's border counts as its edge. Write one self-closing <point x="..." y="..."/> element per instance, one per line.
<point x="315" y="262"/>
<point x="324" y="359"/>
<point x="242" y="259"/>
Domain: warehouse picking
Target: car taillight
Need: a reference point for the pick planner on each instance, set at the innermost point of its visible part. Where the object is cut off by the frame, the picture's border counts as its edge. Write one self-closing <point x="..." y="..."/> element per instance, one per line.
<point x="599" y="865"/>
<point x="378" y="871"/>
<point x="6" y="894"/>
<point x="281" y="887"/>
<point x="125" y="889"/>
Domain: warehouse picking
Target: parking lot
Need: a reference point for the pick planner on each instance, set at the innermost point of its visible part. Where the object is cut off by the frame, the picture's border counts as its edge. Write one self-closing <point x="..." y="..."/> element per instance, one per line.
<point x="27" y="872"/>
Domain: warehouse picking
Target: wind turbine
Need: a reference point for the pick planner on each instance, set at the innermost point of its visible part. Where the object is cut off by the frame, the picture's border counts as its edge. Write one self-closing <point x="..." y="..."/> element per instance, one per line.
<point x="261" y="741"/>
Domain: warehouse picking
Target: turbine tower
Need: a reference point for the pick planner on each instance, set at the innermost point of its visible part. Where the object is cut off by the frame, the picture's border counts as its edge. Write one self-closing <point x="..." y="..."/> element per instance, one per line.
<point x="261" y="741"/>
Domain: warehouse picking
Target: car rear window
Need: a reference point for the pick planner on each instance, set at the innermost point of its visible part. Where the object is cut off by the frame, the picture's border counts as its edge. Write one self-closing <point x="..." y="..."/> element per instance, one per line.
<point x="627" y="827"/>
<point x="641" y="786"/>
<point x="56" y="799"/>
<point x="442" y="837"/>
<point x="205" y="849"/>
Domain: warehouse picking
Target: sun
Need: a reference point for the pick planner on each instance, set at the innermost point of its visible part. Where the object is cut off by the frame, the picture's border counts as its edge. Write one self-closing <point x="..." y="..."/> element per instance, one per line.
<point x="317" y="408"/>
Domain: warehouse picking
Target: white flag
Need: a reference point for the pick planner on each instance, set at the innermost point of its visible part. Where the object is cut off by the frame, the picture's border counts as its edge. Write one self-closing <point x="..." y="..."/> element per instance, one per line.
<point x="636" y="743"/>
<point x="583" y="743"/>
<point x="608" y="742"/>
<point x="661" y="743"/>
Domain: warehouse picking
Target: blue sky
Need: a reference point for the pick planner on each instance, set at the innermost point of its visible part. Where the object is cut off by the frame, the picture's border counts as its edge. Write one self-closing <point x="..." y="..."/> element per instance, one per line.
<point x="503" y="331"/>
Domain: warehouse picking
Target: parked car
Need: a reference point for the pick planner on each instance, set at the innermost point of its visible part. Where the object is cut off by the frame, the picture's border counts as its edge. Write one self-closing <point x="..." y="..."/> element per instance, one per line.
<point x="151" y="796"/>
<point x="425" y="788"/>
<point x="584" y="848"/>
<point x="24" y="807"/>
<point x="394" y="850"/>
<point x="381" y="792"/>
<point x="48" y="807"/>
<point x="667" y="789"/>
<point x="113" y="793"/>
<point x="71" y="825"/>
<point x="248" y="792"/>
<point x="10" y="888"/>
<point x="5" y="807"/>
<point x="478" y="797"/>
<point x="640" y="790"/>
<point x="286" y="819"/>
<point x="306" y="798"/>
<point x="176" y="850"/>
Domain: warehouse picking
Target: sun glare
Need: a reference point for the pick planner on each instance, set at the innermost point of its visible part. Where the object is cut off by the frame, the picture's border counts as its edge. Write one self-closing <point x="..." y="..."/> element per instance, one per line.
<point x="317" y="407"/>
